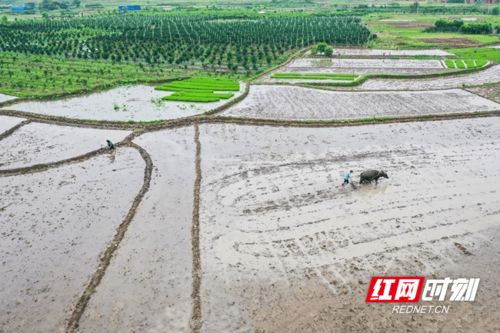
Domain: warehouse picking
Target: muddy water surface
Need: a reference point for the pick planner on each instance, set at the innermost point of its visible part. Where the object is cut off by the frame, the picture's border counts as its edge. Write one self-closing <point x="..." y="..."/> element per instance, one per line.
<point x="38" y="143"/>
<point x="138" y="103"/>
<point x="279" y="229"/>
<point x="53" y="227"/>
<point x="147" y="287"/>
<point x="287" y="102"/>
<point x="7" y="123"/>
<point x="489" y="75"/>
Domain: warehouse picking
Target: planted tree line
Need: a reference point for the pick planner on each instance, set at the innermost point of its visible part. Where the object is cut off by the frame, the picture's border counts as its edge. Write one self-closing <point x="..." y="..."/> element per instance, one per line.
<point x="203" y="41"/>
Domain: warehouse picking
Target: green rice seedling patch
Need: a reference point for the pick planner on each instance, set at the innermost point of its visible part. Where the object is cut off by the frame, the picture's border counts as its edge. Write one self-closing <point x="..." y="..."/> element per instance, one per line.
<point x="200" y="89"/>
<point x="449" y="63"/>
<point x="465" y="63"/>
<point x="460" y="63"/>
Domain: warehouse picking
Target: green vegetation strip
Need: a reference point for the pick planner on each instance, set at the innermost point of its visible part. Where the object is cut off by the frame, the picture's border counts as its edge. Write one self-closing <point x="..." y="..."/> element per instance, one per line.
<point x="339" y="77"/>
<point x="200" y="89"/>
<point x="465" y="63"/>
<point x="42" y="76"/>
<point x="484" y="53"/>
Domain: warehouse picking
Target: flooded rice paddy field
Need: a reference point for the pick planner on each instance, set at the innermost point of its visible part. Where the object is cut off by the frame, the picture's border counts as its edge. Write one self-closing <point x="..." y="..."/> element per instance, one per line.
<point x="364" y="66"/>
<point x="147" y="287"/>
<point x="54" y="225"/>
<point x="5" y="98"/>
<point x="7" y="123"/>
<point x="37" y="143"/>
<point x="138" y="103"/>
<point x="282" y="238"/>
<point x="489" y="75"/>
<point x="246" y="228"/>
<point x="389" y="53"/>
<point x="287" y="102"/>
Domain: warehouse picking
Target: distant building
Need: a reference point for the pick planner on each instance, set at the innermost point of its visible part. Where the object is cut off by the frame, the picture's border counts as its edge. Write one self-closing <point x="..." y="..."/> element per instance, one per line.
<point x="489" y="2"/>
<point x="24" y="8"/>
<point x="129" y="8"/>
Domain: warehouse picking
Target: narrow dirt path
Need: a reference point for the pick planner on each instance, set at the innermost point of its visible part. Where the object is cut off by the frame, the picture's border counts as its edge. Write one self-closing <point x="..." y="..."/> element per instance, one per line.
<point x="47" y="166"/>
<point x="195" y="239"/>
<point x="113" y="245"/>
<point x="14" y="128"/>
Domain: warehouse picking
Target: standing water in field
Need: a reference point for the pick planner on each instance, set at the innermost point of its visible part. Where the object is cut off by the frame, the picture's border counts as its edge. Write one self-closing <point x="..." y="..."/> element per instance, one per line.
<point x="137" y="103"/>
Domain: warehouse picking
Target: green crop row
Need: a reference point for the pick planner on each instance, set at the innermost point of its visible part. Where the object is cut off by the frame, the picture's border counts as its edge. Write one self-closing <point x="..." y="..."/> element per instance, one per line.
<point x="200" y="89"/>
<point x="320" y="76"/>
<point x="465" y="63"/>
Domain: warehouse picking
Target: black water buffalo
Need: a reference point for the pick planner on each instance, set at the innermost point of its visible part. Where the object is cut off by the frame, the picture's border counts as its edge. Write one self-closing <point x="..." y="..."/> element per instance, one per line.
<point x="371" y="175"/>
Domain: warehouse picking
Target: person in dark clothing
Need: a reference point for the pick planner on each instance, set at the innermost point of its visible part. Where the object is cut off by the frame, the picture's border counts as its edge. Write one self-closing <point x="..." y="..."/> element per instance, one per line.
<point x="111" y="146"/>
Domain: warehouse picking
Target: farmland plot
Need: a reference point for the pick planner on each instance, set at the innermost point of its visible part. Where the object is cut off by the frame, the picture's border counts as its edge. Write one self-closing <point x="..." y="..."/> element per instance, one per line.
<point x="5" y="98"/>
<point x="147" y="287"/>
<point x="390" y="53"/>
<point x="489" y="75"/>
<point x="139" y="103"/>
<point x="281" y="237"/>
<point x="286" y="102"/>
<point x="291" y="78"/>
<point x="38" y="143"/>
<point x="54" y="227"/>
<point x="7" y="123"/>
<point x="364" y="66"/>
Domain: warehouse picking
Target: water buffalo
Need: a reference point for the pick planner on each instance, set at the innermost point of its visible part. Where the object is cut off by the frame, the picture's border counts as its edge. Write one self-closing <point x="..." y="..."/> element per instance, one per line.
<point x="371" y="175"/>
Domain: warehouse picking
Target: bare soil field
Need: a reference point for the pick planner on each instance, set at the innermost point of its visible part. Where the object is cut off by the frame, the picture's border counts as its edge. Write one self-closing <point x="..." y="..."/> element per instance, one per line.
<point x="37" y="143"/>
<point x="389" y="53"/>
<point x="139" y="103"/>
<point x="407" y="24"/>
<point x="7" y="123"/>
<point x="147" y="287"/>
<point x="54" y="226"/>
<point x="288" y="102"/>
<point x="489" y="75"/>
<point x="285" y="248"/>
<point x="451" y="42"/>
<point x="364" y="66"/>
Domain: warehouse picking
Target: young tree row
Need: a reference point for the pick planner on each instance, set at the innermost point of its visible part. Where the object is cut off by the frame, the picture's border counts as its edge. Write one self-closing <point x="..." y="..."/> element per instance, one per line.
<point x="199" y="40"/>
